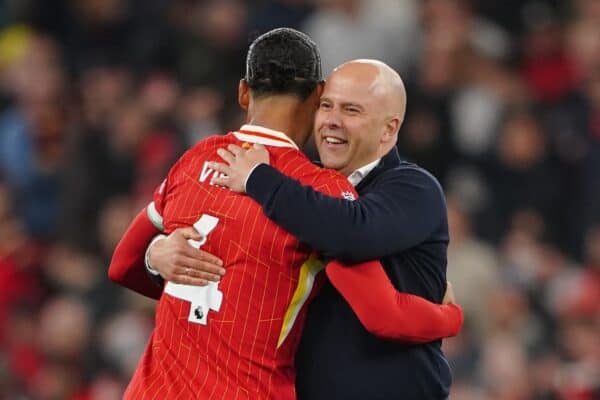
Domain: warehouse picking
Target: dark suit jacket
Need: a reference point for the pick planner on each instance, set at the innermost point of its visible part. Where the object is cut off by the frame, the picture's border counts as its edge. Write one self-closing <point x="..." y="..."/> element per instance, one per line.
<point x="400" y="218"/>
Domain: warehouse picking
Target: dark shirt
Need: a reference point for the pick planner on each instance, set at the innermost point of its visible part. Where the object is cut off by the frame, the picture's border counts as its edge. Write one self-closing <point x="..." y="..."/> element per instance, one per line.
<point x="400" y="219"/>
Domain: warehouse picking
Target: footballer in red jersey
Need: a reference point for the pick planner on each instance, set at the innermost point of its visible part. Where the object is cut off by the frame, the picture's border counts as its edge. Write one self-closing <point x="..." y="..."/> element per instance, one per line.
<point x="235" y="338"/>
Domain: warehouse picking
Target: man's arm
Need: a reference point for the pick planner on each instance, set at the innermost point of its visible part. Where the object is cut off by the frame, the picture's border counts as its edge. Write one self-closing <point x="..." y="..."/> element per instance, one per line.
<point x="403" y="211"/>
<point x="174" y="259"/>
<point x="127" y="265"/>
<point x="390" y="314"/>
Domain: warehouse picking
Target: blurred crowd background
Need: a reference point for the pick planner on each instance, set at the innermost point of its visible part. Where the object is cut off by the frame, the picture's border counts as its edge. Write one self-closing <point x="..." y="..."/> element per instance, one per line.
<point x="99" y="97"/>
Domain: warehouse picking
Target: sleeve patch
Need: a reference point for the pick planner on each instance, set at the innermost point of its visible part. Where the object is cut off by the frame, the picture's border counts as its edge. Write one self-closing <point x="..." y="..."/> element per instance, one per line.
<point x="348" y="196"/>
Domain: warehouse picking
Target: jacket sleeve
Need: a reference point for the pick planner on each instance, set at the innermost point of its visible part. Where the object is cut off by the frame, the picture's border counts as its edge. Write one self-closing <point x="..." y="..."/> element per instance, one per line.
<point x="390" y="314"/>
<point x="127" y="266"/>
<point x="401" y="210"/>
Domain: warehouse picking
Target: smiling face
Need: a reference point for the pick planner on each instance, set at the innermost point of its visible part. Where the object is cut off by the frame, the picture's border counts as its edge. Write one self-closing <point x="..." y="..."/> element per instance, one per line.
<point x="358" y="116"/>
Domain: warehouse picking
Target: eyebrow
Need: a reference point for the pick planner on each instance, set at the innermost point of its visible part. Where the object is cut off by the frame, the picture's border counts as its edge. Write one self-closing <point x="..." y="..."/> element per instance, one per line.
<point x="343" y="104"/>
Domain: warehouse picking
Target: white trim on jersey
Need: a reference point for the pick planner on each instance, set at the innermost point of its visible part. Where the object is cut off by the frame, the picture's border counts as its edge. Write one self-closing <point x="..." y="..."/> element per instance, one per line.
<point x="278" y="139"/>
<point x="155" y="217"/>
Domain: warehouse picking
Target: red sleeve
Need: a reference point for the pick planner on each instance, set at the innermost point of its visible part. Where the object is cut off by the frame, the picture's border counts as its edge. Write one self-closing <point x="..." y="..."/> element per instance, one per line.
<point x="334" y="184"/>
<point x="127" y="265"/>
<point x="383" y="310"/>
<point x="390" y="314"/>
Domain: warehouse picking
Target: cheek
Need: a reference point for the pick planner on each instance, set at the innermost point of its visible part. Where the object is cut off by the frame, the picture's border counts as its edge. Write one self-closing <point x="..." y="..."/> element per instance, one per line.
<point x="367" y="134"/>
<point x="356" y="132"/>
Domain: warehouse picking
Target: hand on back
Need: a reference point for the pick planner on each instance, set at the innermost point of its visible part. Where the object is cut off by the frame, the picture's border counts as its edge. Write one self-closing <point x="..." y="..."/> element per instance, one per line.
<point x="449" y="295"/>
<point x="178" y="262"/>
<point x="239" y="165"/>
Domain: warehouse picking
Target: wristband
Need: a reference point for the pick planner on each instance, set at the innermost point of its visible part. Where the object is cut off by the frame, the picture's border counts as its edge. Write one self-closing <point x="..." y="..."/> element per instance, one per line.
<point x="147" y="255"/>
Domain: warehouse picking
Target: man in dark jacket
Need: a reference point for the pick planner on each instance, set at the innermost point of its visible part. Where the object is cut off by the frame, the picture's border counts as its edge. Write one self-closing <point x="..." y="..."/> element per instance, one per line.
<point x="400" y="218"/>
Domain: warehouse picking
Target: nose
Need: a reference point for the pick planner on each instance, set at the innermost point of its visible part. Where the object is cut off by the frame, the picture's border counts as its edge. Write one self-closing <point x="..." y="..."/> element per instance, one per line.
<point x="331" y="119"/>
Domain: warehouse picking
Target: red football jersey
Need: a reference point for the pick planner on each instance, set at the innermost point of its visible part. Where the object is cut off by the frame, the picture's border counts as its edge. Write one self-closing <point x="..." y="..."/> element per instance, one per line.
<point x="235" y="339"/>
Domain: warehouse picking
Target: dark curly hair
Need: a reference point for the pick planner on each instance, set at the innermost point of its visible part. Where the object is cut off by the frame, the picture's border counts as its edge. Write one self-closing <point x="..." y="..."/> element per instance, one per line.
<point x="283" y="61"/>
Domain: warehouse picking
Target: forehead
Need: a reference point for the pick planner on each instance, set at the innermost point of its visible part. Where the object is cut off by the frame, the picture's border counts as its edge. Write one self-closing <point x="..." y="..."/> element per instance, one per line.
<point x="350" y="86"/>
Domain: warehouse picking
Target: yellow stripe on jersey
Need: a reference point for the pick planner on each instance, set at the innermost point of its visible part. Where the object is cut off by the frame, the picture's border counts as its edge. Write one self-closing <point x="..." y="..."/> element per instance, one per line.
<point x="308" y="271"/>
<point x="155" y="217"/>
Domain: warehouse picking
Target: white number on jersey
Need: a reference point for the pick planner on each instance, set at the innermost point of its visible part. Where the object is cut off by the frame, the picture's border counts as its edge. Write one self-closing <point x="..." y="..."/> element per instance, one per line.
<point x="201" y="298"/>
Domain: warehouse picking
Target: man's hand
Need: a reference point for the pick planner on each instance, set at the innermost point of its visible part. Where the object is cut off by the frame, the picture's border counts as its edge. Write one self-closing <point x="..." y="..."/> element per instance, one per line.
<point x="178" y="262"/>
<point x="240" y="164"/>
<point x="449" y="295"/>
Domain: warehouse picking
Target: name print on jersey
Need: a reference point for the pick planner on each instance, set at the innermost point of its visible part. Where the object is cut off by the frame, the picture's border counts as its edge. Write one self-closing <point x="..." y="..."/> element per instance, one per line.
<point x="207" y="172"/>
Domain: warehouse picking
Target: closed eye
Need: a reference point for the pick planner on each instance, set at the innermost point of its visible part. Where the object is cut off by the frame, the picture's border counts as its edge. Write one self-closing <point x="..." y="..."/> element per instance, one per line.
<point x="325" y="105"/>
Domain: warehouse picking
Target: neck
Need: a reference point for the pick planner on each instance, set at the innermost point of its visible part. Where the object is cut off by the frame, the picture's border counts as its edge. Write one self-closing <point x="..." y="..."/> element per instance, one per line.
<point x="280" y="113"/>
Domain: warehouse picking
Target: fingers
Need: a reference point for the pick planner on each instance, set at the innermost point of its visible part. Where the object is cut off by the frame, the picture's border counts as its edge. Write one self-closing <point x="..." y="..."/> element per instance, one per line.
<point x="198" y="274"/>
<point x="221" y="181"/>
<point x="199" y="270"/>
<point x="191" y="257"/>
<point x="187" y="233"/>
<point x="236" y="150"/>
<point x="449" y="295"/>
<point x="197" y="264"/>
<point x="211" y="259"/>
<point x="227" y="155"/>
<point x="259" y="152"/>
<point x="188" y="280"/>
<point x="220" y="167"/>
<point x="227" y="177"/>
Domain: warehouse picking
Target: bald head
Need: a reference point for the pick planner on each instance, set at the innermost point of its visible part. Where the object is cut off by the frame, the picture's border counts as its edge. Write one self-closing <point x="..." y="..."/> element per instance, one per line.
<point x="383" y="81"/>
<point x="361" y="110"/>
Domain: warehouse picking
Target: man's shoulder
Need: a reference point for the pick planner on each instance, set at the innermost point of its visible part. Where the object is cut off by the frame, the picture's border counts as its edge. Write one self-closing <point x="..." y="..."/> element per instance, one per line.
<point x="412" y="172"/>
<point x="407" y="176"/>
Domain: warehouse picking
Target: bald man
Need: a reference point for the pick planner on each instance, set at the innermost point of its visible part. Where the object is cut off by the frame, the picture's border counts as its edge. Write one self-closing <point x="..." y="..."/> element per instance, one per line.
<point x="400" y="218"/>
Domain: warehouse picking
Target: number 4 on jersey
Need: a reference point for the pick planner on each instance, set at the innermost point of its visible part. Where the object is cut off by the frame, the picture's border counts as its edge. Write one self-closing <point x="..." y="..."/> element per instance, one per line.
<point x="201" y="298"/>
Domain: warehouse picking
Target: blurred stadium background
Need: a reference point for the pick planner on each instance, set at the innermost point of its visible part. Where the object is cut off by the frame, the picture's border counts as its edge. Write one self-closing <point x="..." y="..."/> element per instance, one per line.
<point x="99" y="97"/>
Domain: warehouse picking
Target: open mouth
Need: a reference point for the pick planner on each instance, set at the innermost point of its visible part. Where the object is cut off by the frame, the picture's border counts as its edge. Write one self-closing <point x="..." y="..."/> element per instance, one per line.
<point x="332" y="140"/>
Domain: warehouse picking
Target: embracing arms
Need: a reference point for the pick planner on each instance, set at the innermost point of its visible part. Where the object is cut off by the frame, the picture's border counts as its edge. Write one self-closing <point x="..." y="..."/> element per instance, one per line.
<point x="383" y="311"/>
<point x="174" y="259"/>
<point x="404" y="207"/>
<point x="390" y="314"/>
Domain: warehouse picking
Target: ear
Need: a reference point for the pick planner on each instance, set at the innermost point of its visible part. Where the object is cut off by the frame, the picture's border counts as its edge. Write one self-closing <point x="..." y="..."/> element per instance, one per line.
<point x="319" y="89"/>
<point x="244" y="94"/>
<point x="391" y="128"/>
<point x="315" y="97"/>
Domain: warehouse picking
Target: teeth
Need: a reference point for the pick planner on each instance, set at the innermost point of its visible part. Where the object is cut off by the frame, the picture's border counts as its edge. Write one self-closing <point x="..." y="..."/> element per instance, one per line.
<point x="332" y="140"/>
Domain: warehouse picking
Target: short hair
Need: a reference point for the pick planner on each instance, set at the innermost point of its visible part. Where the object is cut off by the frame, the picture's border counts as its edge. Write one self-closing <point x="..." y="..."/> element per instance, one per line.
<point x="283" y="61"/>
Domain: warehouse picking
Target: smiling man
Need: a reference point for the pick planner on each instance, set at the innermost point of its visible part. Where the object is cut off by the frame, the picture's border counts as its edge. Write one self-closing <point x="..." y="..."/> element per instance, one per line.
<point x="345" y="136"/>
<point x="400" y="218"/>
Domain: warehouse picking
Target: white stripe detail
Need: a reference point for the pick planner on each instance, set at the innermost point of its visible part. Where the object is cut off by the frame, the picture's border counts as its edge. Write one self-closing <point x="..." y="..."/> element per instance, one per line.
<point x="261" y="140"/>
<point x="248" y="137"/>
<point x="155" y="217"/>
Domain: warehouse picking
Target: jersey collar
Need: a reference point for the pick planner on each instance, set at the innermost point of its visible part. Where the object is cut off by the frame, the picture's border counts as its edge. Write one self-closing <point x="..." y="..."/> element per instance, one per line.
<point x="266" y="136"/>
